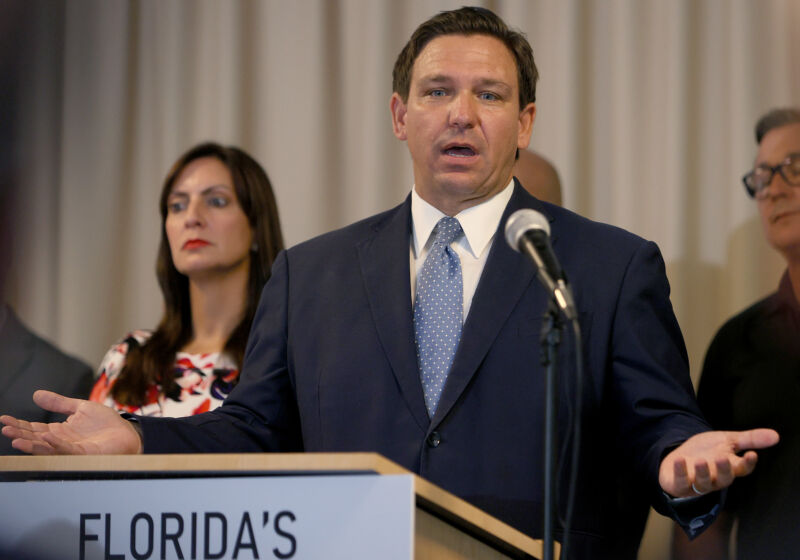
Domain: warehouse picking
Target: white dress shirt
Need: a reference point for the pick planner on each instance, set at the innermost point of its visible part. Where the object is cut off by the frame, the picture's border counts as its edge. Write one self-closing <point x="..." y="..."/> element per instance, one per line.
<point x="479" y="224"/>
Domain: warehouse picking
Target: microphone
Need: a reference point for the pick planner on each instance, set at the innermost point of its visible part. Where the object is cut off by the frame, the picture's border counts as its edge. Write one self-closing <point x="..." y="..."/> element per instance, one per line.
<point x="528" y="232"/>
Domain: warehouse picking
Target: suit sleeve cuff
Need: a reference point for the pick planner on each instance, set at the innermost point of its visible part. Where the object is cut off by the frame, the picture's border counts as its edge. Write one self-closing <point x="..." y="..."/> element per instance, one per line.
<point x="695" y="514"/>
<point x="134" y="421"/>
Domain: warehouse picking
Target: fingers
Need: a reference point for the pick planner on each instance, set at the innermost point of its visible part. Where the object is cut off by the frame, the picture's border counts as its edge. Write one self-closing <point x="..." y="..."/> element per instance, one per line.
<point x="699" y="477"/>
<point x="32" y="447"/>
<point x="15" y="428"/>
<point x="27" y="440"/>
<point x="11" y="432"/>
<point x="39" y="443"/>
<point x="10" y="420"/>
<point x="54" y="402"/>
<point x="61" y="446"/>
<point x="703" y="482"/>
<point x="705" y="479"/>
<point x="25" y="430"/>
<point x="28" y="437"/>
<point x="680" y="477"/>
<point x="725" y="474"/>
<point x="744" y="465"/>
<point x="681" y="471"/>
<point x="710" y="461"/>
<point x="754" y="439"/>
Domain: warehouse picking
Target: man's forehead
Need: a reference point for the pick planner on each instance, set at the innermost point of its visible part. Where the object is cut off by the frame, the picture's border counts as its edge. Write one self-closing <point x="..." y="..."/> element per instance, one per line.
<point x="441" y="51"/>
<point x="778" y="143"/>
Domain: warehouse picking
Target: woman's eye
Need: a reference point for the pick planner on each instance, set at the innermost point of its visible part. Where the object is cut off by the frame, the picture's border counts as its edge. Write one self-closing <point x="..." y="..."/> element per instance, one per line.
<point x="218" y="201"/>
<point x="176" y="206"/>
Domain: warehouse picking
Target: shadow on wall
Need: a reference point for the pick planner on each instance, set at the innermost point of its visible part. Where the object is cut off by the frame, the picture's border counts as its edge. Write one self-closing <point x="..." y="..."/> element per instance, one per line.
<point x="697" y="296"/>
<point x="711" y="294"/>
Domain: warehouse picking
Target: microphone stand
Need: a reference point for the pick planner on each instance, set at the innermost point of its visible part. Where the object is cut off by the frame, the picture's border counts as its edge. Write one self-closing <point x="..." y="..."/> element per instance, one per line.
<point x="550" y="338"/>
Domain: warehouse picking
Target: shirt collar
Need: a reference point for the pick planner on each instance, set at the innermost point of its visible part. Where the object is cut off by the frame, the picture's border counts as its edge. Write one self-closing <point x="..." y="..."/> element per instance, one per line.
<point x="479" y="222"/>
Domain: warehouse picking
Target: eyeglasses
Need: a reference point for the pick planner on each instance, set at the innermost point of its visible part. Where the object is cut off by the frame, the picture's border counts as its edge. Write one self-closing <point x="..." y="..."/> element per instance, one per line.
<point x="757" y="181"/>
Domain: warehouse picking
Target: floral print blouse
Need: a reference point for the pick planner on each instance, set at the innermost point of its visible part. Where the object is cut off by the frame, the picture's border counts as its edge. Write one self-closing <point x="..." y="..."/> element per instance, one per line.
<point x="204" y="380"/>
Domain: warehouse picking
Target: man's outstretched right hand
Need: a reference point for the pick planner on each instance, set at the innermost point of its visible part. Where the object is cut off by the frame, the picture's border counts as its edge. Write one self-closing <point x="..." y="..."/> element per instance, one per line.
<point x="90" y="429"/>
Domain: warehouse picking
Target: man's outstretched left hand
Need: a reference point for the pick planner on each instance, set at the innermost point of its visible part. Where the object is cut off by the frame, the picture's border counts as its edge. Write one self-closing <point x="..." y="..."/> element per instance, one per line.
<point x="712" y="461"/>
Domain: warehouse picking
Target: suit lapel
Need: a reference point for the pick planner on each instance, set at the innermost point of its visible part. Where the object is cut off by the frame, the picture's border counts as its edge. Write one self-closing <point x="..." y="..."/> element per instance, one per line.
<point x="505" y="277"/>
<point x="384" y="260"/>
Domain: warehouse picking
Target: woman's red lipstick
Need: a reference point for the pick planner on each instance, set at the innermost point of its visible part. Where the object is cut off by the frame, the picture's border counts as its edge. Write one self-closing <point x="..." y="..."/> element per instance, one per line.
<point x="195" y="244"/>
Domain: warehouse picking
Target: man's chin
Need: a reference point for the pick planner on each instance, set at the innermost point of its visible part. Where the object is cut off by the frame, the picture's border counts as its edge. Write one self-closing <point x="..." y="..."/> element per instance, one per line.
<point x="463" y="188"/>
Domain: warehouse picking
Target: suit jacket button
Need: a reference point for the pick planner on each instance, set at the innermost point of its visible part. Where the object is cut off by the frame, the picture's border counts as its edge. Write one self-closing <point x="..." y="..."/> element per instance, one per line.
<point x="434" y="439"/>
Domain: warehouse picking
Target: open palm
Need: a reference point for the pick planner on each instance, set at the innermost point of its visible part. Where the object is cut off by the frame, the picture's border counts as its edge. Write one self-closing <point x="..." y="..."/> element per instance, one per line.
<point x="90" y="429"/>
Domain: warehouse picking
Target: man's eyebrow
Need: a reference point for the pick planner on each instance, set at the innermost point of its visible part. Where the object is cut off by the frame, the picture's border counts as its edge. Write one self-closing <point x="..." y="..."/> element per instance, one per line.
<point x="435" y="79"/>
<point x="494" y="83"/>
<point x="443" y="78"/>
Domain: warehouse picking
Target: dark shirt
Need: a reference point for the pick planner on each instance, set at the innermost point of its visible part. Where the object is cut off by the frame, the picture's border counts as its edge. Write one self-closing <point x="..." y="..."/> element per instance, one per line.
<point x="751" y="379"/>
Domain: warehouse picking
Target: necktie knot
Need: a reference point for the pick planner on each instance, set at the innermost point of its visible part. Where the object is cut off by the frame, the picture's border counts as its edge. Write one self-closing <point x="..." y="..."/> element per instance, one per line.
<point x="447" y="230"/>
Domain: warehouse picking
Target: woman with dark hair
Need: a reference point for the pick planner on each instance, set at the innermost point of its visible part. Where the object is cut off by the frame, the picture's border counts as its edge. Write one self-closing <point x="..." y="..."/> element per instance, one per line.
<point x="220" y="233"/>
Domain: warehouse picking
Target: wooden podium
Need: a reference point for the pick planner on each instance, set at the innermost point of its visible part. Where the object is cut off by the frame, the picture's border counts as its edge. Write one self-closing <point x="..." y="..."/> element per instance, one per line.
<point x="442" y="526"/>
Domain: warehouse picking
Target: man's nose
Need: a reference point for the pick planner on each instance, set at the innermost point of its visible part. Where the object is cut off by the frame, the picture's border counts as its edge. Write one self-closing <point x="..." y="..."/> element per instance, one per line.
<point x="778" y="186"/>
<point x="463" y="111"/>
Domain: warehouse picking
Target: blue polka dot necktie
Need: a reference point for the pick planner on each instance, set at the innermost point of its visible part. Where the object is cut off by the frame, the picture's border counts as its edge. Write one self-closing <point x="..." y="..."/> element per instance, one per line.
<point x="438" y="311"/>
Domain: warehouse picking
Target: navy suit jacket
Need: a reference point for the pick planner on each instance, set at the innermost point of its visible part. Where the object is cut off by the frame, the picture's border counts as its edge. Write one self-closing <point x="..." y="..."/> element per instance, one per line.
<point x="331" y="367"/>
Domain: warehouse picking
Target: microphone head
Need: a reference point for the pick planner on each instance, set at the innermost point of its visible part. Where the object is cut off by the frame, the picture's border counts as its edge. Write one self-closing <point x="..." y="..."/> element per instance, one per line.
<point x="522" y="221"/>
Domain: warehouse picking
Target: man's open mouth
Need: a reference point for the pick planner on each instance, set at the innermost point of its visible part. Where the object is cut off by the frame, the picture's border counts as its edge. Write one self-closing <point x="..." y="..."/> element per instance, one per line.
<point x="459" y="151"/>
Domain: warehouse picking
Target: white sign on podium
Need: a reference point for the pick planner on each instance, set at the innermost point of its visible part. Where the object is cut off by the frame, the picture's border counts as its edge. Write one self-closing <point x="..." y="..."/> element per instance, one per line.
<point x="260" y="517"/>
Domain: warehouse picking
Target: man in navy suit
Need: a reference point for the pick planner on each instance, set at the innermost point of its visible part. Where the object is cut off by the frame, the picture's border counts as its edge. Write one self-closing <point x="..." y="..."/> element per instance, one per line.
<point x="333" y="359"/>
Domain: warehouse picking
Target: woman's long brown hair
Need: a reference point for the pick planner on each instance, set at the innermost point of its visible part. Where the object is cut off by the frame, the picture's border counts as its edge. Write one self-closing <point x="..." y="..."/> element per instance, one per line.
<point x="152" y="363"/>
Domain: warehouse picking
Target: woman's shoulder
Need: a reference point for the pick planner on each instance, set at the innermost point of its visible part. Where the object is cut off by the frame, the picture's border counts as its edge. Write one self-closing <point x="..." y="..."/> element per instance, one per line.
<point x="112" y="364"/>
<point x="140" y="336"/>
<point x="114" y="359"/>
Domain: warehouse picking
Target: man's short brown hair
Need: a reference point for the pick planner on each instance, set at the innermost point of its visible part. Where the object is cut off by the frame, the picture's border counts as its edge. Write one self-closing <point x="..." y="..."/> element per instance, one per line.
<point x="468" y="21"/>
<point x="775" y="119"/>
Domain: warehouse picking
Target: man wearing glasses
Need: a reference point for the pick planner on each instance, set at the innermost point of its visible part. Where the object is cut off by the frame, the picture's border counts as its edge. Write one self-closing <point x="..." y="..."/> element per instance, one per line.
<point x="751" y="375"/>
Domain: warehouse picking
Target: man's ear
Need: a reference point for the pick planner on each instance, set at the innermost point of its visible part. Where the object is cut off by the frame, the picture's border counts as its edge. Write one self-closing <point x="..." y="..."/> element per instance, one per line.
<point x="398" y="108"/>
<point x="526" y="118"/>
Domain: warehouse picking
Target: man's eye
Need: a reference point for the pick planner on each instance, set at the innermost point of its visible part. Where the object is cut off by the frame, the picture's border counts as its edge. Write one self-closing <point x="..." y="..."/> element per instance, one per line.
<point x="489" y="96"/>
<point x="437" y="93"/>
<point x="793" y="166"/>
<point x="762" y="173"/>
<point x="792" y="171"/>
